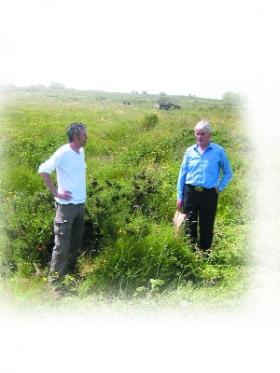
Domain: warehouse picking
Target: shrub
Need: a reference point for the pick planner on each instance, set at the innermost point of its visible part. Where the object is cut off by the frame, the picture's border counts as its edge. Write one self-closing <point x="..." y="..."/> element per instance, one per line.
<point x="150" y="120"/>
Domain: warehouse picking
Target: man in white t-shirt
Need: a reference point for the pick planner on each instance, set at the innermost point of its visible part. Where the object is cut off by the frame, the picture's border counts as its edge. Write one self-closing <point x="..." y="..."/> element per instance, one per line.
<point x="70" y="196"/>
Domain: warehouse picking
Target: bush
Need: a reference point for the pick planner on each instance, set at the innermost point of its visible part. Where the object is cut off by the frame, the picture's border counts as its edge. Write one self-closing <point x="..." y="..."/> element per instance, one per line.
<point x="150" y="120"/>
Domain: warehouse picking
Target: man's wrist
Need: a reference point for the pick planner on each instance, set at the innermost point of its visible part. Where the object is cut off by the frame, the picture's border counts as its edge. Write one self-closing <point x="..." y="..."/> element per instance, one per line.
<point x="179" y="203"/>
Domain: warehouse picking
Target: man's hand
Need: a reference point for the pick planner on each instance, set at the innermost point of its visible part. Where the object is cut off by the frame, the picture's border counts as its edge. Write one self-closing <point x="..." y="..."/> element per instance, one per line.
<point x="67" y="195"/>
<point x="179" y="203"/>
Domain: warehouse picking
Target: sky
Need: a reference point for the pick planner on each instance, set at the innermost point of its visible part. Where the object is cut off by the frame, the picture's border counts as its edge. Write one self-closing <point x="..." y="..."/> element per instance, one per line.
<point x="200" y="47"/>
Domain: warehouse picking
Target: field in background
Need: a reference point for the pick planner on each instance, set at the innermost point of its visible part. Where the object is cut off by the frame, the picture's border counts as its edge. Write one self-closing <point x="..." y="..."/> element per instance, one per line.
<point x="133" y="158"/>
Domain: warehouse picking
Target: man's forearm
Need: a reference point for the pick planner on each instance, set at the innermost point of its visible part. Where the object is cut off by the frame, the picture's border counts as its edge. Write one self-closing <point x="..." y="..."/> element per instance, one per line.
<point x="49" y="183"/>
<point x="66" y="194"/>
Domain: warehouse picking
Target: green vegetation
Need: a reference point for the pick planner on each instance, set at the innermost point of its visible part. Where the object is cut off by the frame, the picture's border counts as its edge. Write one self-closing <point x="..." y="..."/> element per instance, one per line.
<point x="133" y="157"/>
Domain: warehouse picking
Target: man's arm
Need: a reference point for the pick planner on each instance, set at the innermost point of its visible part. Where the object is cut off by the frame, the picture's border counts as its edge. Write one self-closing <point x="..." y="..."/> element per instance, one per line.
<point x="67" y="195"/>
<point x="181" y="181"/>
<point x="227" y="172"/>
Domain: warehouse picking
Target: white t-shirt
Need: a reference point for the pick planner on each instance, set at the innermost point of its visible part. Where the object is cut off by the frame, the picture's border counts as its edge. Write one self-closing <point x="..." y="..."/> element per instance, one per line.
<point x="70" y="172"/>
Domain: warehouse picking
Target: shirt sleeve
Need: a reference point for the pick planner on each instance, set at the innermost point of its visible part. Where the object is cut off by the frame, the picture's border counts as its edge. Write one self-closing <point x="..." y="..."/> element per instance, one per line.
<point x="182" y="177"/>
<point x="50" y="165"/>
<point x="227" y="171"/>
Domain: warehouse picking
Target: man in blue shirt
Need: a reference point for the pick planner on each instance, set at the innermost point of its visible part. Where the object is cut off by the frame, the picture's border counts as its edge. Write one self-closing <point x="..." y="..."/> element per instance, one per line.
<point x="199" y="184"/>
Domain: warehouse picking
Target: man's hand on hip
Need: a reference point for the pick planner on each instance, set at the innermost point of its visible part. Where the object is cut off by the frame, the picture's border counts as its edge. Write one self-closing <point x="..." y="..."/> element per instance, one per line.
<point x="179" y="203"/>
<point x="66" y="195"/>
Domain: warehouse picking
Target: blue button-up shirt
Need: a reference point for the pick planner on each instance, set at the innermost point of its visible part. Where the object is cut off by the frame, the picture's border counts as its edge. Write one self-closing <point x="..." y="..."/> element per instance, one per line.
<point x="204" y="169"/>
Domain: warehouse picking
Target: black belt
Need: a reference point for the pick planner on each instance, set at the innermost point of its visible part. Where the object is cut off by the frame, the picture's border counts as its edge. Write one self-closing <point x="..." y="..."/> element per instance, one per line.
<point x="198" y="188"/>
<point x="70" y="204"/>
<point x="75" y="204"/>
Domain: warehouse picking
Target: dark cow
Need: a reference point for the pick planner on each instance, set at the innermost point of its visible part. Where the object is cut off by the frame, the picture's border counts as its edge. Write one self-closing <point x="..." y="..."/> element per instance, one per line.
<point x="167" y="106"/>
<point x="177" y="107"/>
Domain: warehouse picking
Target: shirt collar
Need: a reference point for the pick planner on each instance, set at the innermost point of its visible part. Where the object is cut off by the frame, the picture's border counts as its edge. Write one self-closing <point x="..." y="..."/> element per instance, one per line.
<point x="209" y="146"/>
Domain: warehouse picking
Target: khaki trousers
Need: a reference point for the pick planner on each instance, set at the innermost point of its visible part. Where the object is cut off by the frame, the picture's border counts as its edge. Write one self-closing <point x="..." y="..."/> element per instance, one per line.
<point x="68" y="230"/>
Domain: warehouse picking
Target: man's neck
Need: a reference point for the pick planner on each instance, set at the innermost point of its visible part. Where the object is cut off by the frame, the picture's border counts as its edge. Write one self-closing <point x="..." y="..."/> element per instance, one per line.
<point x="75" y="147"/>
<point x="203" y="147"/>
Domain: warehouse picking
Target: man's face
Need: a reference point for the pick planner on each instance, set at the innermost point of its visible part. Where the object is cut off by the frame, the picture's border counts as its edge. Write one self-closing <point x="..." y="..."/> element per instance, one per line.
<point x="202" y="137"/>
<point x="81" y="139"/>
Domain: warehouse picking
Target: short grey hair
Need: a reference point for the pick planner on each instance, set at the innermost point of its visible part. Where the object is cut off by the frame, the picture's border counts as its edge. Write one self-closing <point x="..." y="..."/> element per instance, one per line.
<point x="203" y="125"/>
<point x="74" y="130"/>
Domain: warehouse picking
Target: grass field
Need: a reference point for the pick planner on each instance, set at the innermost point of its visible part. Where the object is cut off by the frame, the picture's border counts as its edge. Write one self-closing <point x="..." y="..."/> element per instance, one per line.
<point x="133" y="157"/>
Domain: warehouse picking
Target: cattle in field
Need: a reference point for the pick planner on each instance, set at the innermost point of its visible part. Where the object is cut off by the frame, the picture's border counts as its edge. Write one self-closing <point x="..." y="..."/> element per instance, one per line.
<point x="166" y="105"/>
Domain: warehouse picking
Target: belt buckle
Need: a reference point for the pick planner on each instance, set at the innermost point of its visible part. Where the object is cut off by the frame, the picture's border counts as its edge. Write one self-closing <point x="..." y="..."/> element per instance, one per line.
<point x="198" y="188"/>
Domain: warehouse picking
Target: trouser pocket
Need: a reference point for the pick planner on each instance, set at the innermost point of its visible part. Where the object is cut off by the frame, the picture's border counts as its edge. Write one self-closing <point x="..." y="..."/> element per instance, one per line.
<point x="62" y="231"/>
<point x="60" y="227"/>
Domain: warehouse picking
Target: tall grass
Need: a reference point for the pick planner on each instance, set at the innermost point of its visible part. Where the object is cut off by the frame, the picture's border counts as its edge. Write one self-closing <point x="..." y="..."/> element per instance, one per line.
<point x="133" y="157"/>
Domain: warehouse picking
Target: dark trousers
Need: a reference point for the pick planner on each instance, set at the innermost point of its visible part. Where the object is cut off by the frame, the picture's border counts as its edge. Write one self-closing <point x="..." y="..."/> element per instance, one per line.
<point x="200" y="207"/>
<point x="68" y="230"/>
